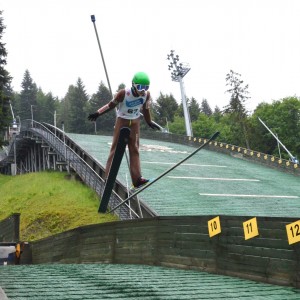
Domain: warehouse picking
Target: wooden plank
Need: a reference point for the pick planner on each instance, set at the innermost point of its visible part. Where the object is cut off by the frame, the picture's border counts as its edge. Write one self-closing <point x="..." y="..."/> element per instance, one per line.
<point x="255" y="242"/>
<point x="206" y="268"/>
<point x="260" y="251"/>
<point x="188" y="261"/>
<point x="193" y="253"/>
<point x="202" y="245"/>
<point x="253" y="264"/>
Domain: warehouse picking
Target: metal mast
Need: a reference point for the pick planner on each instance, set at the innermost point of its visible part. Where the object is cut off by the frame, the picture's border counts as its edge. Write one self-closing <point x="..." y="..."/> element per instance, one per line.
<point x="293" y="158"/>
<point x="178" y="71"/>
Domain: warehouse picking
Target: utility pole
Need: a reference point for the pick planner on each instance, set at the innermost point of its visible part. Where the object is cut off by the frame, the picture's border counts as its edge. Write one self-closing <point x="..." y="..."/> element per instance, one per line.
<point x="55" y="122"/>
<point x="14" y="168"/>
<point x="31" y="115"/>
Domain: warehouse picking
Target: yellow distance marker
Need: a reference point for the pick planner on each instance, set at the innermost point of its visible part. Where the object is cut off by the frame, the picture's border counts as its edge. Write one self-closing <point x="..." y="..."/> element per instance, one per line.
<point x="250" y="228"/>
<point x="214" y="226"/>
<point x="293" y="232"/>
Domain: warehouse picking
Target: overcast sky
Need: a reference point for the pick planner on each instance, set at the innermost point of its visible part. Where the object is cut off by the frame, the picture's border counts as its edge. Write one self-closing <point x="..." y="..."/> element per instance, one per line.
<point x="56" y="41"/>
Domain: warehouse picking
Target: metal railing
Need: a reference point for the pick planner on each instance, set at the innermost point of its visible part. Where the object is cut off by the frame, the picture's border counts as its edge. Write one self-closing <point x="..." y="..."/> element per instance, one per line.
<point x="76" y="163"/>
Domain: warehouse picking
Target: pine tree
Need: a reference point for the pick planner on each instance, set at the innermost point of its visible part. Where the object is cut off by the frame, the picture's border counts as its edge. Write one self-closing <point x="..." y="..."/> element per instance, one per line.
<point x="63" y="116"/>
<point x="194" y="109"/>
<point x="5" y="90"/>
<point x="217" y="113"/>
<point x="205" y="108"/>
<point x="105" y="122"/>
<point x="164" y="109"/>
<point x="27" y="105"/>
<point x="46" y="107"/>
<point x="78" y="101"/>
<point x="236" y="108"/>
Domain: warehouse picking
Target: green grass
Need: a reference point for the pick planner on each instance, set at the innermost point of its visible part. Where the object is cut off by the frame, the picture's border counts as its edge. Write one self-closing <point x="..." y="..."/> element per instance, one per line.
<point x="49" y="203"/>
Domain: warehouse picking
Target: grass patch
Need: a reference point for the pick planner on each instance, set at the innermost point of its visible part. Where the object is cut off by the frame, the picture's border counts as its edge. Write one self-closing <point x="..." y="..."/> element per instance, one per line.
<point x="49" y="203"/>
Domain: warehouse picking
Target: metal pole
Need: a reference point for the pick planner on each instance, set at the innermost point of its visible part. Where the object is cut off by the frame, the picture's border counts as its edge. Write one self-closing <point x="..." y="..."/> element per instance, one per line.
<point x="167" y="124"/>
<point x="31" y="116"/>
<point x="278" y="145"/>
<point x="65" y="146"/>
<point x="11" y="109"/>
<point x="93" y="18"/>
<point x="178" y="71"/>
<point x="188" y="126"/>
<point x="64" y="138"/>
<point x="277" y="139"/>
<point x="15" y="156"/>
<point x="55" y="122"/>
<point x="19" y="123"/>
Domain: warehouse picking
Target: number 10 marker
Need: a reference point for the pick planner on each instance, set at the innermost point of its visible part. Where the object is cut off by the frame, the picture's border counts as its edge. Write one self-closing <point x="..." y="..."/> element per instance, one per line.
<point x="214" y="226"/>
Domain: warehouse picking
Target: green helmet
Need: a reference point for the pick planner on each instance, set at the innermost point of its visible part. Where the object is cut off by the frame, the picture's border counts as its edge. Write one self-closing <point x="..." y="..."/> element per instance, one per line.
<point x="141" y="78"/>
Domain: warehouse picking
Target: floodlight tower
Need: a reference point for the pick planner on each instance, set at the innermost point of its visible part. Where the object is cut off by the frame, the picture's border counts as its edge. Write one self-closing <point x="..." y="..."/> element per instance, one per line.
<point x="178" y="71"/>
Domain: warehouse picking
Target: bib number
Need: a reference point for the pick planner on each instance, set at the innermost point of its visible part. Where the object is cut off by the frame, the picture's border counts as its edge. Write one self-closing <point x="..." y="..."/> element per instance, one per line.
<point x="132" y="111"/>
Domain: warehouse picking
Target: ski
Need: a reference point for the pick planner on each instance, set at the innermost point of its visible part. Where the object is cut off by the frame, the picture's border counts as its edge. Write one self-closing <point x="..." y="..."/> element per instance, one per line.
<point x="114" y="169"/>
<point x="166" y="172"/>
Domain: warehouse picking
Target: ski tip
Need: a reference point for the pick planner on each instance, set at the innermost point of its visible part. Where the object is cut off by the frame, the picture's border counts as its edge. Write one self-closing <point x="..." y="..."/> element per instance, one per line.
<point x="215" y="135"/>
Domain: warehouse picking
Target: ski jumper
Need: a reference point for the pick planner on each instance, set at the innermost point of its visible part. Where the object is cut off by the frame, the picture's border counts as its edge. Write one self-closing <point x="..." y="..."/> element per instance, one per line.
<point x="128" y="115"/>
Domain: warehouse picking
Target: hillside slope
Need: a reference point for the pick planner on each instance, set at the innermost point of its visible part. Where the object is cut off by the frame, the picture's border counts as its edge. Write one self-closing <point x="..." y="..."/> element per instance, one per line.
<point x="49" y="203"/>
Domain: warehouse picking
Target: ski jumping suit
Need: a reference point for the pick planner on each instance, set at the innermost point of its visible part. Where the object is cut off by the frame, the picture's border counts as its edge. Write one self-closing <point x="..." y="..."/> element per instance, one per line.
<point x="128" y="115"/>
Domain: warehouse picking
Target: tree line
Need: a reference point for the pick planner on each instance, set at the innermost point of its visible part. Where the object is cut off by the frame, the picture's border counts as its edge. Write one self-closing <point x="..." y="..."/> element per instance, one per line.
<point x="236" y="124"/>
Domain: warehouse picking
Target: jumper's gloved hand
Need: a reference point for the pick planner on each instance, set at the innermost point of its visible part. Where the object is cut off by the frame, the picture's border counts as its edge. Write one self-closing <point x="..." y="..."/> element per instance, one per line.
<point x="93" y="117"/>
<point x="154" y="126"/>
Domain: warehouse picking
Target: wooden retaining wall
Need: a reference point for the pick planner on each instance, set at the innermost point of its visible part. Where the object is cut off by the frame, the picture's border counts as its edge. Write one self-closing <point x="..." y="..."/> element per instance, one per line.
<point x="9" y="228"/>
<point x="182" y="242"/>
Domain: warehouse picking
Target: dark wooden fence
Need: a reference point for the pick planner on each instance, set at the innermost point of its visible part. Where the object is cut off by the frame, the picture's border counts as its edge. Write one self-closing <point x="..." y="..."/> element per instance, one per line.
<point x="9" y="228"/>
<point x="182" y="242"/>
